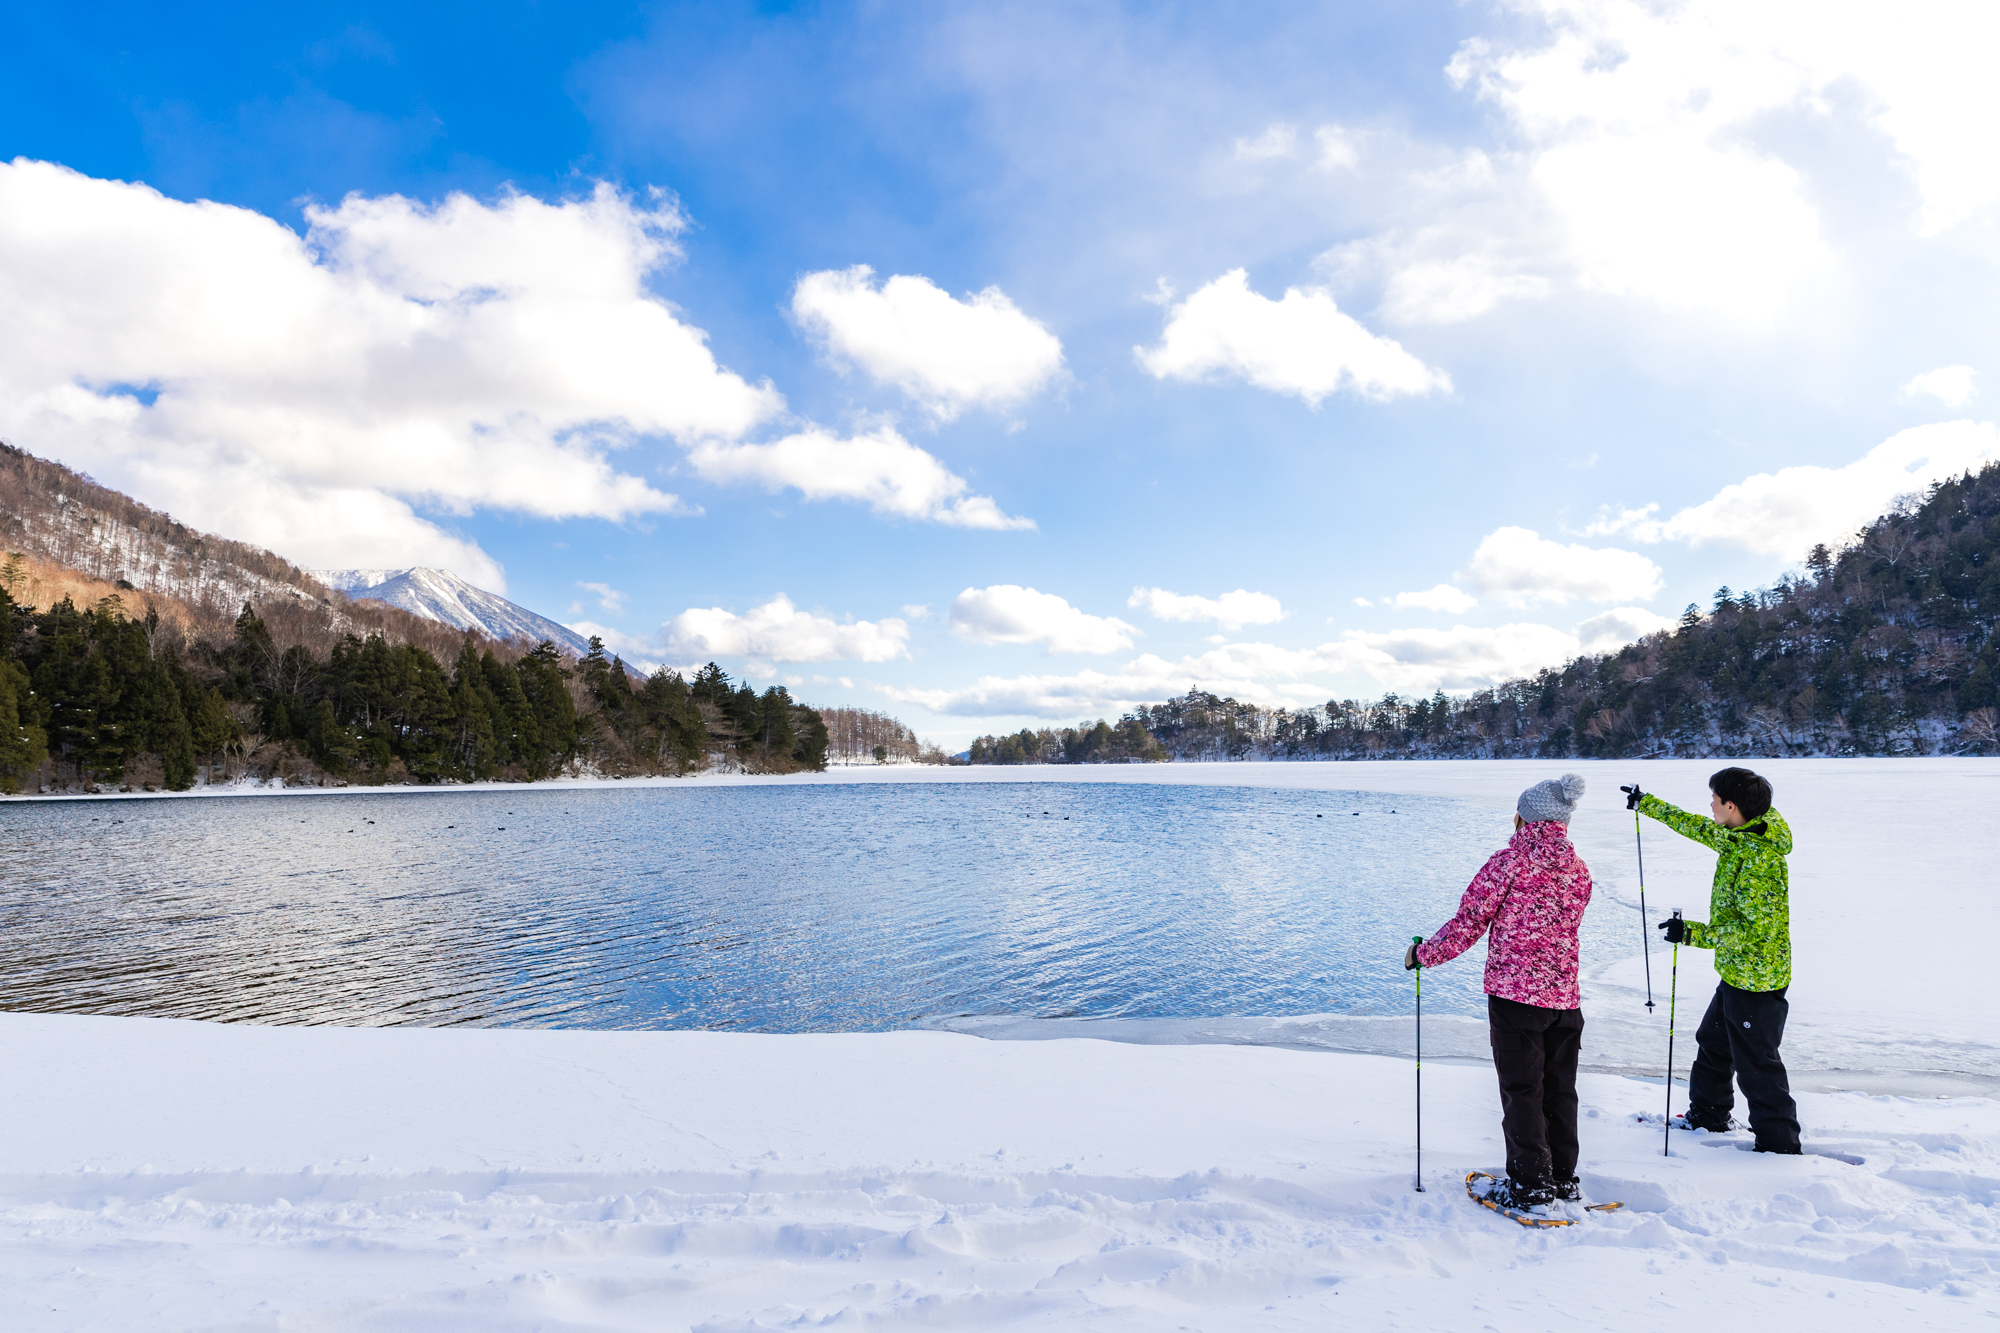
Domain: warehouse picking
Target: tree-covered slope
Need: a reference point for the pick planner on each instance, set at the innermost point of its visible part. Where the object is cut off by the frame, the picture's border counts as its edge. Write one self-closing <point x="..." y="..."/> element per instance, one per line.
<point x="1884" y="646"/>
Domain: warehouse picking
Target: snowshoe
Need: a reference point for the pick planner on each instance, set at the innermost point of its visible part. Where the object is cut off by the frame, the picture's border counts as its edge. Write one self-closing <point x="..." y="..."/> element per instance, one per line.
<point x="1509" y="1199"/>
<point x="1730" y="1124"/>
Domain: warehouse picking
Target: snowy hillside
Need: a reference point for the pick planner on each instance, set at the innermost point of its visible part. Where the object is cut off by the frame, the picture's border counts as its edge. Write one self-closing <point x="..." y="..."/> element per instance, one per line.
<point x="437" y="595"/>
<point x="55" y="514"/>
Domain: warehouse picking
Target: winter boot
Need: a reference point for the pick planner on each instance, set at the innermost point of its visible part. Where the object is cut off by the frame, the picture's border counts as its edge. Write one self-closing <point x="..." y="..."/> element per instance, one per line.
<point x="1520" y="1196"/>
<point x="1569" y="1191"/>
<point x="1706" y="1120"/>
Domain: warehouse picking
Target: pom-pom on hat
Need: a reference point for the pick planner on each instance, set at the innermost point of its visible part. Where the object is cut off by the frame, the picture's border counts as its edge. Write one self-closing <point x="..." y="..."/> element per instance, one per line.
<point x="1552" y="800"/>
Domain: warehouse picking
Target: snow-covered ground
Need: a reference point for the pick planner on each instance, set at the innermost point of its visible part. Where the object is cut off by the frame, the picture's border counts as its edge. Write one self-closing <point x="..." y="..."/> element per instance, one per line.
<point x="158" y="1174"/>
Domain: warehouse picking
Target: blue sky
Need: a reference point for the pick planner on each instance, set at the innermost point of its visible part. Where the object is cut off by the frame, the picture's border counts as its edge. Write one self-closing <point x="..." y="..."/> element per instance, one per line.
<point x="1313" y="306"/>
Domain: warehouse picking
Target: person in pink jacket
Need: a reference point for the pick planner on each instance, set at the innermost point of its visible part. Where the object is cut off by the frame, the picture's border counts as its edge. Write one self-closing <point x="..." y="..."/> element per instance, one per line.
<point x="1528" y="900"/>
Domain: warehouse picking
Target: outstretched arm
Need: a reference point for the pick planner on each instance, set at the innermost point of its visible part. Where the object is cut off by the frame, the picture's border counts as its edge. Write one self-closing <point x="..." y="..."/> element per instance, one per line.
<point x="1685" y="822"/>
<point x="1475" y="912"/>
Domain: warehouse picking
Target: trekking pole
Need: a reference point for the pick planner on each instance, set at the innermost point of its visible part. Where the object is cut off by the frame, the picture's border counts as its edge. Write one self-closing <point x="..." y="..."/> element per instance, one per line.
<point x="1645" y="935"/>
<point x="1418" y="939"/>
<point x="1673" y="986"/>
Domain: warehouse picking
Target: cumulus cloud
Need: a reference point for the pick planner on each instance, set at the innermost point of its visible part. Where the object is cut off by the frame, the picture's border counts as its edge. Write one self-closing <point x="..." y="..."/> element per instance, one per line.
<point x="1678" y="154"/>
<point x="1302" y="345"/>
<point x="945" y="353"/>
<point x="1518" y="566"/>
<point x="635" y="651"/>
<point x="1784" y="513"/>
<point x="1416" y="660"/>
<point x="878" y="468"/>
<point x="777" y="631"/>
<point x="312" y="394"/>
<point x="1232" y="610"/>
<point x="1444" y="597"/>
<point x="1462" y="657"/>
<point x="1611" y="630"/>
<point x="1009" y="613"/>
<point x="1145" y="679"/>
<point x="1643" y="132"/>
<point x="1951" y="385"/>
<point x="607" y="596"/>
<point x="1645" y="165"/>
<point x="1277" y="140"/>
<point x="1453" y="289"/>
<point x="1338" y="149"/>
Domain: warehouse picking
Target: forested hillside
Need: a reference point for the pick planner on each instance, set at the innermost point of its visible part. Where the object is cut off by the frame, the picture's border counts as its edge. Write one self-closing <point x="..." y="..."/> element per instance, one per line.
<point x="1884" y="646"/>
<point x="121" y="666"/>
<point x="97" y="698"/>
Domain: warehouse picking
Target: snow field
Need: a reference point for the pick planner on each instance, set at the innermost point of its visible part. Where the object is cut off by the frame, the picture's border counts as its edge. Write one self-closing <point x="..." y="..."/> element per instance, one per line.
<point x="158" y="1174"/>
<point x="165" y="1174"/>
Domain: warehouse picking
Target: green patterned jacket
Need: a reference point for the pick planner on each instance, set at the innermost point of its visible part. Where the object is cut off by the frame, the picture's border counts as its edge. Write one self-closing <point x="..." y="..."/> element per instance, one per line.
<point x="1749" y="910"/>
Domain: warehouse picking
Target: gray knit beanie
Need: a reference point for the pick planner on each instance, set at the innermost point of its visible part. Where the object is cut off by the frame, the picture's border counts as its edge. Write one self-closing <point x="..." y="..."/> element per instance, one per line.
<point x="1555" y="799"/>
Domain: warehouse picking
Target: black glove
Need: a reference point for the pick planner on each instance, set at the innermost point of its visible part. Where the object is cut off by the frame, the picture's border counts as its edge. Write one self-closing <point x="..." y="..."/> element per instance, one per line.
<point x="1632" y="795"/>
<point x="1677" y="930"/>
<point x="1410" y="962"/>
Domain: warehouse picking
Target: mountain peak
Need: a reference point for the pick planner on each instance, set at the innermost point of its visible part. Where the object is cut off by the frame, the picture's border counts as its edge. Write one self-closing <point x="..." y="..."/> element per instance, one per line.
<point x="439" y="594"/>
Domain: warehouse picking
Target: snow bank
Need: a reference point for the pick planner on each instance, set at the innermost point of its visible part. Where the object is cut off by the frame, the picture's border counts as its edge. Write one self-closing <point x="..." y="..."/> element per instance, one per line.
<point x="164" y="1174"/>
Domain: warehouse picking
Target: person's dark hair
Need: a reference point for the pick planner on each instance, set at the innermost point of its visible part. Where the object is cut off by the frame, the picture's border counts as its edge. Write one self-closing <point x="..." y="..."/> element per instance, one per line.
<point x="1742" y="789"/>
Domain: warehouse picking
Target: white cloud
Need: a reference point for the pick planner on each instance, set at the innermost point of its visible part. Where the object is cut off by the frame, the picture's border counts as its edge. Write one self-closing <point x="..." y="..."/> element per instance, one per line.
<point x="1452" y="290"/>
<point x="1086" y="694"/>
<point x="1646" y="133"/>
<point x="878" y="468"/>
<point x="1444" y="597"/>
<point x="1459" y="658"/>
<point x="636" y="652"/>
<point x="945" y="353"/>
<point x="779" y="632"/>
<point x="1518" y="566"/>
<point x="1277" y="140"/>
<point x="1611" y="630"/>
<point x="1786" y="512"/>
<point x="1951" y="385"/>
<point x="608" y="597"/>
<point x="311" y="394"/>
<point x="1009" y="613"/>
<point x="1232" y="610"/>
<point x="1361" y="602"/>
<point x="1338" y="149"/>
<point x="1302" y="345"/>
<point x="1416" y="660"/>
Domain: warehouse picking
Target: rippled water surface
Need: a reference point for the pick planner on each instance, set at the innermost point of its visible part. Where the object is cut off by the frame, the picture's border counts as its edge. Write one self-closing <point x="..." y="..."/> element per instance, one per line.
<point x="762" y="908"/>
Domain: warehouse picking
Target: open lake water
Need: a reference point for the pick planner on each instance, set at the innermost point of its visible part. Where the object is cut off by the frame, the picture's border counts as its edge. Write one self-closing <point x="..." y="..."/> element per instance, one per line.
<point x="767" y="908"/>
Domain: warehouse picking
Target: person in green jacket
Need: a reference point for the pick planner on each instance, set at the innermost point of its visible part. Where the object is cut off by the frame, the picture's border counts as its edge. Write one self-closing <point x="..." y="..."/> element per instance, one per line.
<point x="1749" y="927"/>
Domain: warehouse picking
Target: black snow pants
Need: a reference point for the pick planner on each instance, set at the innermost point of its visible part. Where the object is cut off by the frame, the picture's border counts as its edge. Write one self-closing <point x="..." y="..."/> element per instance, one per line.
<point x="1740" y="1033"/>
<point x="1535" y="1052"/>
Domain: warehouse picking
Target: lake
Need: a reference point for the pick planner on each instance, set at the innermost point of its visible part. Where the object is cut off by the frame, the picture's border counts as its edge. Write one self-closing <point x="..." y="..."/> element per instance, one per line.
<point x="771" y="908"/>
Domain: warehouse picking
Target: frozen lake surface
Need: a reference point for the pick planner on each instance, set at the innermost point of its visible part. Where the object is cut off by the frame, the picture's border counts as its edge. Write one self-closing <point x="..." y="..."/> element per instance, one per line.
<point x="771" y="908"/>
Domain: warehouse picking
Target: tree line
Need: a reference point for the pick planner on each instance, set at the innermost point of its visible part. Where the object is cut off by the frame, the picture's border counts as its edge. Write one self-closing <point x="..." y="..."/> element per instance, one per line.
<point x="860" y="735"/>
<point x="96" y="697"/>
<point x="1884" y="646"/>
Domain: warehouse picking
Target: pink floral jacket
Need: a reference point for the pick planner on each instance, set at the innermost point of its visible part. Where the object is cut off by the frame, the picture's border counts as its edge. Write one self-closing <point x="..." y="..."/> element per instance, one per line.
<point x="1530" y="895"/>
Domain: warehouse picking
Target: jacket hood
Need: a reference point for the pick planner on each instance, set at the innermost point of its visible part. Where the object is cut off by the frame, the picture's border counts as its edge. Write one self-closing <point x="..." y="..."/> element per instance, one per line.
<point x="1543" y="838"/>
<point x="1772" y="828"/>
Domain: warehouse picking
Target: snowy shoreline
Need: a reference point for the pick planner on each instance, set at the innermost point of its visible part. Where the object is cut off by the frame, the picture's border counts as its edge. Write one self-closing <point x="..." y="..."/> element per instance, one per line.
<point x="169" y="1174"/>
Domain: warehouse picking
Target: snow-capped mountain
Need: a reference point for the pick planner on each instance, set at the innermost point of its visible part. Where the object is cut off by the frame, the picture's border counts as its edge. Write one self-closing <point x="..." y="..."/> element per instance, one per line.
<point x="437" y="595"/>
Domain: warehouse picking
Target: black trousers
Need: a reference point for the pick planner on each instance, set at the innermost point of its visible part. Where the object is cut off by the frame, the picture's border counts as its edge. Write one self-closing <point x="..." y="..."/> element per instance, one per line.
<point x="1534" y="1052"/>
<point x="1740" y="1034"/>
